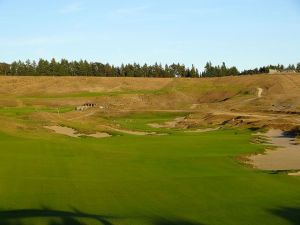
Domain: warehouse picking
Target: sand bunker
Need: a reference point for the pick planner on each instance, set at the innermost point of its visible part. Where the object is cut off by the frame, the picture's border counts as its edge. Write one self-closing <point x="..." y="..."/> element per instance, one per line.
<point x="295" y="174"/>
<point x="73" y="133"/>
<point x="285" y="157"/>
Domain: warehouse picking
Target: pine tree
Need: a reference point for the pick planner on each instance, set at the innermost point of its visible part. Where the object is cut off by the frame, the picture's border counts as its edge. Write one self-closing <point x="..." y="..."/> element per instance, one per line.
<point x="298" y="67"/>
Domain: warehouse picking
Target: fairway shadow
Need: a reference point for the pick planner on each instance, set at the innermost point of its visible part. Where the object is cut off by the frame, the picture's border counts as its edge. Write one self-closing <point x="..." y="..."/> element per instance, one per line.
<point x="292" y="215"/>
<point x="14" y="217"/>
<point x="56" y="217"/>
<point x="175" y="222"/>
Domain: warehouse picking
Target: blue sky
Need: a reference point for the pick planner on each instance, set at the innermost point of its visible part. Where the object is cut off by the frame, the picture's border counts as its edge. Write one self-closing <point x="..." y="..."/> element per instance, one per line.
<point x="245" y="33"/>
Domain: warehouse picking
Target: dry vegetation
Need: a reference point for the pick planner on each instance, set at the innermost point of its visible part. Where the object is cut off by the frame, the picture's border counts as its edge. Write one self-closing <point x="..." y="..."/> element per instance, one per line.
<point x="211" y="102"/>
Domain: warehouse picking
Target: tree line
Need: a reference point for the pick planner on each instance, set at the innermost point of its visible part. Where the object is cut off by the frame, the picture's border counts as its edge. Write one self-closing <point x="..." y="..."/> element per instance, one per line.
<point x="219" y="71"/>
<point x="279" y="68"/>
<point x="84" y="68"/>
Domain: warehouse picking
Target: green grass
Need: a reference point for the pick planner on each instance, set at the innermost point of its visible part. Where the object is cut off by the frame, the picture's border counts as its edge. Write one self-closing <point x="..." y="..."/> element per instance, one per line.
<point x="22" y="111"/>
<point x="141" y="121"/>
<point x="180" y="179"/>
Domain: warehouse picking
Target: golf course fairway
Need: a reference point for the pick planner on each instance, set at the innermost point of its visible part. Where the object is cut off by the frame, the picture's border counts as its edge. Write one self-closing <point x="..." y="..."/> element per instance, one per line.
<point x="176" y="179"/>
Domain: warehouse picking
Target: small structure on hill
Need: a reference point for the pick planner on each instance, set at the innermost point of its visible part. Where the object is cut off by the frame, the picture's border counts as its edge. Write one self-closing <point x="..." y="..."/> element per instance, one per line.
<point x="85" y="106"/>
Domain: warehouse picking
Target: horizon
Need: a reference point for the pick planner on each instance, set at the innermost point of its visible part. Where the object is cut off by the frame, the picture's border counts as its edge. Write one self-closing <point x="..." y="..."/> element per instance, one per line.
<point x="244" y="35"/>
<point x="197" y="67"/>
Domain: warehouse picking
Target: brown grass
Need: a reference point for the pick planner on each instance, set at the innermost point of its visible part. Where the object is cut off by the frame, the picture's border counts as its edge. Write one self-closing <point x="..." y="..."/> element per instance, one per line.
<point x="230" y="101"/>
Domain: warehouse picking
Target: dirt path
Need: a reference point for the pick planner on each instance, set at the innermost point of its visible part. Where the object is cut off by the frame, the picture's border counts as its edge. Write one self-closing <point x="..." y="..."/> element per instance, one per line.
<point x="260" y="91"/>
<point x="285" y="157"/>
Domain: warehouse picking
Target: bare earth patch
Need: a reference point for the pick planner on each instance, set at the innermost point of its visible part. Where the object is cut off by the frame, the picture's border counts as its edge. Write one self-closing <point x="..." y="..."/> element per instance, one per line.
<point x="285" y="157"/>
<point x="73" y="133"/>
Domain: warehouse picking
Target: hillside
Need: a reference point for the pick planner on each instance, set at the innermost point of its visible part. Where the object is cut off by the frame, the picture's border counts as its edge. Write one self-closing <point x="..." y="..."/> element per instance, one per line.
<point x="253" y="101"/>
<point x="135" y="151"/>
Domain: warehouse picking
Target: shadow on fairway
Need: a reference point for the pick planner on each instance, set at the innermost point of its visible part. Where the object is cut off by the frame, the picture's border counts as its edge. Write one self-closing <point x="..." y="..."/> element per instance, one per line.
<point x="175" y="222"/>
<point x="14" y="217"/>
<point x="56" y="217"/>
<point x="290" y="214"/>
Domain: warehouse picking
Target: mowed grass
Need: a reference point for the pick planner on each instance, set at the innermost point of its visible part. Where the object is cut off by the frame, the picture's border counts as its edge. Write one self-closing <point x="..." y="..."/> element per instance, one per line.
<point x="140" y="121"/>
<point x="179" y="179"/>
<point x="21" y="111"/>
